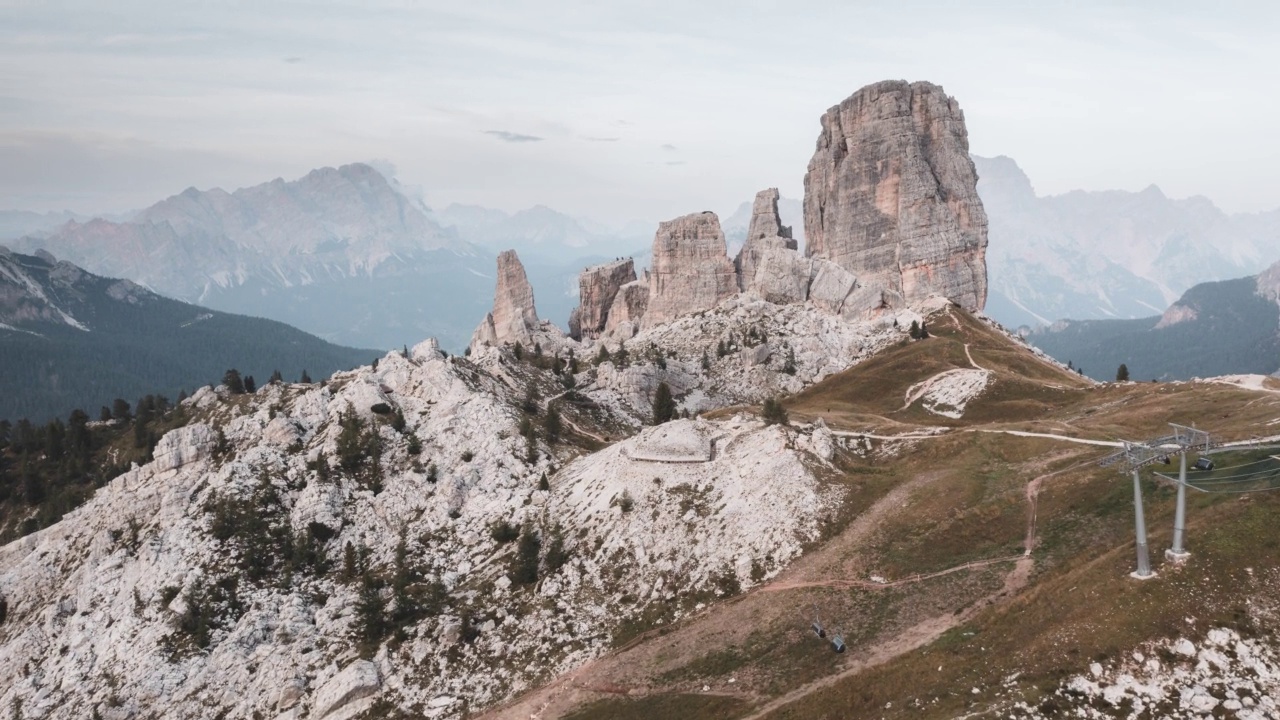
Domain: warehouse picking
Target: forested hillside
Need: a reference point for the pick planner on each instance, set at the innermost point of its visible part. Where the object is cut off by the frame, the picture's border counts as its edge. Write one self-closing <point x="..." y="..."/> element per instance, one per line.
<point x="1217" y="328"/>
<point x="70" y="339"/>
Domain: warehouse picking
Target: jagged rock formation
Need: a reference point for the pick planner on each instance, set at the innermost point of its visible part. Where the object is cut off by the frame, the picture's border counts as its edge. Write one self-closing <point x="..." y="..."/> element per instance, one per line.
<point x="514" y="316"/>
<point x="890" y="195"/>
<point x="766" y="232"/>
<point x="691" y="268"/>
<point x="628" y="308"/>
<point x="597" y="288"/>
<point x="765" y="220"/>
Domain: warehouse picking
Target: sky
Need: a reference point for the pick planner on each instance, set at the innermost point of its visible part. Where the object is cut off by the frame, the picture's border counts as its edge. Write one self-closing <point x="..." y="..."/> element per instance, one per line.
<point x="620" y="110"/>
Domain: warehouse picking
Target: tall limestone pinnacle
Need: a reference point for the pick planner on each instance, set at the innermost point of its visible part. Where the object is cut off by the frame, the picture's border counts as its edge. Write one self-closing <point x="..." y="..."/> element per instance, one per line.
<point x="691" y="268"/>
<point x="514" y="316"/>
<point x="891" y="195"/>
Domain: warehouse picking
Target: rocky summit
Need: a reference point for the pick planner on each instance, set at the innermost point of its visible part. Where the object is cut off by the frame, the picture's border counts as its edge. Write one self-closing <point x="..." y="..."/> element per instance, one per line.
<point x="691" y="268"/>
<point x="891" y="195"/>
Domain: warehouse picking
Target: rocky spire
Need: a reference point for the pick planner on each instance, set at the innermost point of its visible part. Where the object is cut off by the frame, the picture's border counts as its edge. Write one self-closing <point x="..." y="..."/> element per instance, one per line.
<point x="597" y="288"/>
<point x="891" y="196"/>
<point x="765" y="221"/>
<point x="514" y="316"/>
<point x="768" y="233"/>
<point x="691" y="268"/>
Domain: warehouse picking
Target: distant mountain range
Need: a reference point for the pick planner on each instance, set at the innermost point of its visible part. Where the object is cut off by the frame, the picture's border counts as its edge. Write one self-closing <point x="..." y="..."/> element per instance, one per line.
<point x="345" y="254"/>
<point x="71" y="339"/>
<point x="1224" y="327"/>
<point x="1113" y="254"/>
<point x="340" y="252"/>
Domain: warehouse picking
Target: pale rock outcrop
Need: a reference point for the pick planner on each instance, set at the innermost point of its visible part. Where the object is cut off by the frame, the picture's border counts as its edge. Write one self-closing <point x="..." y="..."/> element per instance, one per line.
<point x="628" y="308"/>
<point x="780" y="274"/>
<point x="184" y="446"/>
<point x="765" y="220"/>
<point x="830" y="285"/>
<point x="766" y="232"/>
<point x="891" y="195"/>
<point x="597" y="288"/>
<point x="691" y="268"/>
<point x="514" y="316"/>
<point x="340" y="697"/>
<point x="1269" y="283"/>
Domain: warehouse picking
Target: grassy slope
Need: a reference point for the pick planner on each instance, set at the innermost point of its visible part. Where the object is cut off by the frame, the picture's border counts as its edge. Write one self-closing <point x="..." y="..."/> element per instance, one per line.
<point x="964" y="499"/>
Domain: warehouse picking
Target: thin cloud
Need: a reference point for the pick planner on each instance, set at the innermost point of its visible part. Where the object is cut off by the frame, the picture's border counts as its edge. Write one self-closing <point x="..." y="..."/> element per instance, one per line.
<point x="669" y="147"/>
<point x="511" y="137"/>
<point x="600" y="139"/>
<point x="293" y="60"/>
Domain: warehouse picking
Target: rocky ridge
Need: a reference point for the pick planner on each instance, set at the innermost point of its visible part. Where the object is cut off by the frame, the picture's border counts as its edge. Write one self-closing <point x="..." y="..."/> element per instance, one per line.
<point x="892" y="218"/>
<point x="144" y="598"/>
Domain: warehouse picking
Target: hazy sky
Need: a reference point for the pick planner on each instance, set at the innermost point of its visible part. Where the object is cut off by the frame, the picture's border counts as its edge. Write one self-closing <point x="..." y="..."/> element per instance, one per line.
<point x="617" y="110"/>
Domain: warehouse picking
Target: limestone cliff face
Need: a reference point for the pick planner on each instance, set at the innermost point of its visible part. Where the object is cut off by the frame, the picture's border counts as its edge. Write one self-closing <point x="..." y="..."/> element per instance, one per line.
<point x="691" y="268"/>
<point x="628" y="308"/>
<point x="765" y="233"/>
<point x="597" y="288"/>
<point x="514" y="316"/>
<point x="891" y="195"/>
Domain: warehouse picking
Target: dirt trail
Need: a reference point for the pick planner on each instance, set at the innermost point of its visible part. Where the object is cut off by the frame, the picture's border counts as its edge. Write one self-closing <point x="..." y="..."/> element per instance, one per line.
<point x="929" y="630"/>
<point x="593" y="679"/>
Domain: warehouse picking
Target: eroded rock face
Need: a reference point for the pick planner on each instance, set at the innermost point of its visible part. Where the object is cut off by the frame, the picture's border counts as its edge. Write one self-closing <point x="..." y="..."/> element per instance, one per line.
<point x="891" y="195"/>
<point x="691" y="268"/>
<point x="514" y="316"/>
<point x="597" y="288"/>
<point x="780" y="274"/>
<point x="628" y="308"/>
<point x="765" y="233"/>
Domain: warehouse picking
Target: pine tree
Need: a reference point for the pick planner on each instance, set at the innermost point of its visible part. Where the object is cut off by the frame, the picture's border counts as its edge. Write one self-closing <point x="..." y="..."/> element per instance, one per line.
<point x="525" y="570"/>
<point x="305" y="377"/>
<point x="773" y="413"/>
<point x="1122" y="373"/>
<point x="914" y="331"/>
<point x="924" y="330"/>
<point x="233" y="382"/>
<point x="664" y="406"/>
<point x="276" y="377"/>
<point x="551" y="424"/>
<point x="120" y="410"/>
<point x="789" y="366"/>
<point x="250" y="386"/>
<point x="706" y="361"/>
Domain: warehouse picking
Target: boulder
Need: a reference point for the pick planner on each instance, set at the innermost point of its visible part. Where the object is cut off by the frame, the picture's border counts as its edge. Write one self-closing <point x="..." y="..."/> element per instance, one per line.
<point x="183" y="446"/>
<point x="830" y="285"/>
<point x="891" y="196"/>
<point x="691" y="269"/>
<point x="781" y="275"/>
<point x="341" y="696"/>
